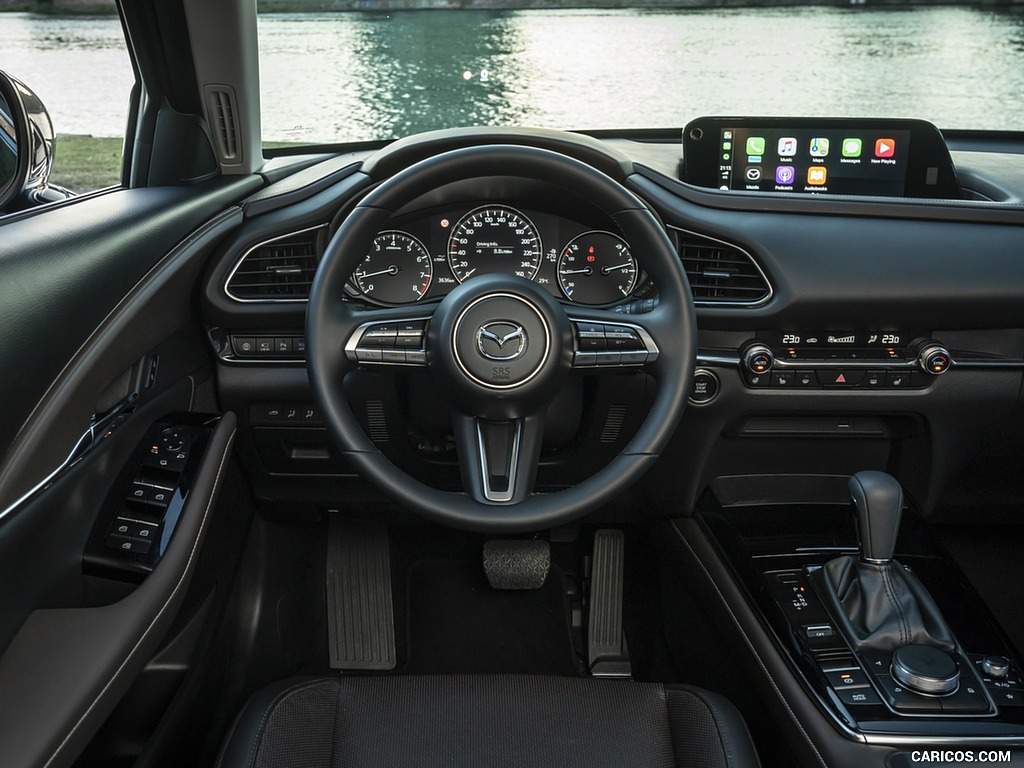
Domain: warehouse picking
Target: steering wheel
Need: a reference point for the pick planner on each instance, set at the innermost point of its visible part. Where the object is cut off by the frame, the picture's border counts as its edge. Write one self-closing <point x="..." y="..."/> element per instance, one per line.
<point x="500" y="347"/>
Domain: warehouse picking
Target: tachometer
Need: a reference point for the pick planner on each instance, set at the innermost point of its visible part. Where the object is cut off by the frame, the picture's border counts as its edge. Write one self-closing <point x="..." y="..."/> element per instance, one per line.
<point x="596" y="268"/>
<point x="494" y="238"/>
<point x="398" y="269"/>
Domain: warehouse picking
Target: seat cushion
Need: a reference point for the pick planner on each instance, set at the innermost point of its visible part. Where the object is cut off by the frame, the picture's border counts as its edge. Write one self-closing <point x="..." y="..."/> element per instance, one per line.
<point x="485" y="721"/>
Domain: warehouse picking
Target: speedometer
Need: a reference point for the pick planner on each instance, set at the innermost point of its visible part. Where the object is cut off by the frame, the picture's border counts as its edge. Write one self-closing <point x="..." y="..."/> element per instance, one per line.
<point x="494" y="238"/>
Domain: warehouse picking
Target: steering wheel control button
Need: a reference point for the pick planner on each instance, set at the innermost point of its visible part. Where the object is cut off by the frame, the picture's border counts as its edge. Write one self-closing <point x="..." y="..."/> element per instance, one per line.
<point x="590" y="337"/>
<point x="705" y="387"/>
<point x="924" y="669"/>
<point x="369" y="355"/>
<point x="379" y="336"/>
<point x="410" y="335"/>
<point x="622" y="339"/>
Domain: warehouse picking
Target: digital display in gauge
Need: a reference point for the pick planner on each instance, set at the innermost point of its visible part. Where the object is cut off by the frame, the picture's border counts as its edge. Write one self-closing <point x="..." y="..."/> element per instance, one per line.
<point x="494" y="238"/>
<point x="596" y="268"/>
<point x="397" y="270"/>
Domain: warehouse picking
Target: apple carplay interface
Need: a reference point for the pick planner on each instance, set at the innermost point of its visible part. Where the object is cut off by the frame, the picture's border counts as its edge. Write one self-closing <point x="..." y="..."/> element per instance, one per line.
<point x="891" y="158"/>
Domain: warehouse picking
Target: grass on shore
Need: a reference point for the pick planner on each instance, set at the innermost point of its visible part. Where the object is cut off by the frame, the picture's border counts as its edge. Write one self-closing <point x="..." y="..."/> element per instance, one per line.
<point x="85" y="163"/>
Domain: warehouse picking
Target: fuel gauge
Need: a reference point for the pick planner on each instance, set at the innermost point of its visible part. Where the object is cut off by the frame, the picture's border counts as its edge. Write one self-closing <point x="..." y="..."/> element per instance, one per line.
<point x="596" y="268"/>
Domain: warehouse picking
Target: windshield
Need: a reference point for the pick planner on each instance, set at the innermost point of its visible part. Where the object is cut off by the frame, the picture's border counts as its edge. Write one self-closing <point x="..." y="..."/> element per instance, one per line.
<point x="331" y="77"/>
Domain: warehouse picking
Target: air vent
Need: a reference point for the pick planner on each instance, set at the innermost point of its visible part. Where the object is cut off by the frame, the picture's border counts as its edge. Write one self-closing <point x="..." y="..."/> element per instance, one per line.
<point x="223" y="114"/>
<point x="281" y="269"/>
<point x="720" y="273"/>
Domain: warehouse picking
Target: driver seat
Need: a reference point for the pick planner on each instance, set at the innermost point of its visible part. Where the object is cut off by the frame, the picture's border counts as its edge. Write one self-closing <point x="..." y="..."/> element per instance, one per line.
<point x="486" y="721"/>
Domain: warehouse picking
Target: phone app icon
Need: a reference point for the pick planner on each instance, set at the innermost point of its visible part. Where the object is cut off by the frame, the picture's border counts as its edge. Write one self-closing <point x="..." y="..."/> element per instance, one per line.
<point x="755" y="145"/>
<point x="819" y="147"/>
<point x="753" y="173"/>
<point x="885" y="148"/>
<point x="816" y="175"/>
<point x="787" y="146"/>
<point x="852" y="147"/>
<point x="726" y="145"/>
<point x="785" y="174"/>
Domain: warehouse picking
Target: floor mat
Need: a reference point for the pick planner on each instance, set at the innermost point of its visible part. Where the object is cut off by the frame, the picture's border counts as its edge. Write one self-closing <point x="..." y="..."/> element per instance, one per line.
<point x="458" y="624"/>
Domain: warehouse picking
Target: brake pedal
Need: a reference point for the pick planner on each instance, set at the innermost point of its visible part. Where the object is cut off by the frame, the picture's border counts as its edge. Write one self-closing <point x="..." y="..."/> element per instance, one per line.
<point x="516" y="564"/>
<point x="607" y="654"/>
<point x="360" y="614"/>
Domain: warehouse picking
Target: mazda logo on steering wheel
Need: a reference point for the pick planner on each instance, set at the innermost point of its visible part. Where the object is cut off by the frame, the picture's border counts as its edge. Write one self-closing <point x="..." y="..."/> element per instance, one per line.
<point x="501" y="340"/>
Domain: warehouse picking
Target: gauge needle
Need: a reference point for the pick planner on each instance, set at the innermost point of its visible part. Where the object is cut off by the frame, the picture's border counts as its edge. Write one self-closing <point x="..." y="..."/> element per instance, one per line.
<point x="606" y="270"/>
<point x="392" y="270"/>
<point x="466" y="276"/>
<point x="584" y="271"/>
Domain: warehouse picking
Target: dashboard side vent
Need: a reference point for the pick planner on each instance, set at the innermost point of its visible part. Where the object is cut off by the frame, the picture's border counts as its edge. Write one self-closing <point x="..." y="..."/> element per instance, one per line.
<point x="720" y="273"/>
<point x="223" y="114"/>
<point x="281" y="269"/>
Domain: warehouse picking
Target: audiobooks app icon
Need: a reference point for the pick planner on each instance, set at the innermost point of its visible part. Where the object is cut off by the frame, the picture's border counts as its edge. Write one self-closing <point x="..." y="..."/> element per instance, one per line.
<point x="816" y="175"/>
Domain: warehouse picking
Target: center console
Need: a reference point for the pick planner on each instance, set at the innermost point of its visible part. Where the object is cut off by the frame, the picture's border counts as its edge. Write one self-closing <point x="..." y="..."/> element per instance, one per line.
<point x="894" y="651"/>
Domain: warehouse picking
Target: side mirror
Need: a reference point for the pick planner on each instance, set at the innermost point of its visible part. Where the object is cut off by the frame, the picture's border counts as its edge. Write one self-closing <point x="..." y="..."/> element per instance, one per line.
<point x="26" y="148"/>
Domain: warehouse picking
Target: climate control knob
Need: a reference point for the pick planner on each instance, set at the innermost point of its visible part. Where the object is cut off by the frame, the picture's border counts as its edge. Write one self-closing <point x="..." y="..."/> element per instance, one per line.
<point x="758" y="359"/>
<point x="934" y="359"/>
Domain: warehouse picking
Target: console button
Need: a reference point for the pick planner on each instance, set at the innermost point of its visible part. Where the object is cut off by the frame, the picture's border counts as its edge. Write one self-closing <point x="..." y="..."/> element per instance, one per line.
<point x="847" y="678"/>
<point x="874" y="380"/>
<point x="805" y="379"/>
<point x="969" y="699"/>
<point x="902" y="700"/>
<point x="877" y="662"/>
<point x="782" y="379"/>
<point x="299" y="345"/>
<point x="283" y="345"/>
<point x="1004" y="698"/>
<point x="160" y="497"/>
<point x="897" y="380"/>
<point x="244" y="346"/>
<point x="858" y="696"/>
<point x="139" y="492"/>
<point x="265" y="345"/>
<point x="840" y="378"/>
<point x="758" y="379"/>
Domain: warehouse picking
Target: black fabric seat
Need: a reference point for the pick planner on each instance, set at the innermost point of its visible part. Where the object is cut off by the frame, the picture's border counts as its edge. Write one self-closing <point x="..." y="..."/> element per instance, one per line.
<point x="506" y="721"/>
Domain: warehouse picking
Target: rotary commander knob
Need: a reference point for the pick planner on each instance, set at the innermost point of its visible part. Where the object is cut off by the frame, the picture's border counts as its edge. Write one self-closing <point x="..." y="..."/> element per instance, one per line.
<point x="758" y="359"/>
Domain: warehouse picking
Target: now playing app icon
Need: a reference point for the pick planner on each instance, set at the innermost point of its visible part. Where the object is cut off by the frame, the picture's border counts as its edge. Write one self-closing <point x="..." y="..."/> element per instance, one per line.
<point x="785" y="174"/>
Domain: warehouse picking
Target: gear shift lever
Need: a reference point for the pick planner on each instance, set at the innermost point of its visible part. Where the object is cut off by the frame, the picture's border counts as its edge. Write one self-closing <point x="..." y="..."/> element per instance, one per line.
<point x="878" y="499"/>
<point x="878" y="604"/>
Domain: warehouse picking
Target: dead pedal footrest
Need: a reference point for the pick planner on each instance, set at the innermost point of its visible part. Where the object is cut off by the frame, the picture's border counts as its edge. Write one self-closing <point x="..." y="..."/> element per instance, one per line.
<point x="360" y="614"/>
<point x="516" y="564"/>
<point x="607" y="654"/>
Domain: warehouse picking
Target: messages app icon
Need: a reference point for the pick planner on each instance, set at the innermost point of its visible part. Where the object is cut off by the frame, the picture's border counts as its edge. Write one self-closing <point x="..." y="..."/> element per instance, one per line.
<point x="852" y="147"/>
<point x="755" y="145"/>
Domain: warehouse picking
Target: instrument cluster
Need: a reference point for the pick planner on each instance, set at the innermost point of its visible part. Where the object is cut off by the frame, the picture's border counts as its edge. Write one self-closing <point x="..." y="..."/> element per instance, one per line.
<point x="423" y="256"/>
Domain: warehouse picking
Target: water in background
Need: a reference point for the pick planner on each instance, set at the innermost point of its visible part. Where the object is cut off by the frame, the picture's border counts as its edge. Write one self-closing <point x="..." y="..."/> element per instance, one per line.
<point x="348" y="76"/>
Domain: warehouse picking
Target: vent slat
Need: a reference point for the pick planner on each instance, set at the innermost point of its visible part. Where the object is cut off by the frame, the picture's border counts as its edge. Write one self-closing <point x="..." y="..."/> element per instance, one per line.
<point x="281" y="269"/>
<point x="720" y="273"/>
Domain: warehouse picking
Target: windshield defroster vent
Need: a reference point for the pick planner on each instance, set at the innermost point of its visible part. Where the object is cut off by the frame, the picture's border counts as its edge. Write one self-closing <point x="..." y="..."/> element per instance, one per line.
<point x="720" y="273"/>
<point x="281" y="269"/>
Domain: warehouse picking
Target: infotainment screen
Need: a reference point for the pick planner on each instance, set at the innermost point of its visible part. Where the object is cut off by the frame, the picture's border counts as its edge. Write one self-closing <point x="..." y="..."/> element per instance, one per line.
<point x="892" y="158"/>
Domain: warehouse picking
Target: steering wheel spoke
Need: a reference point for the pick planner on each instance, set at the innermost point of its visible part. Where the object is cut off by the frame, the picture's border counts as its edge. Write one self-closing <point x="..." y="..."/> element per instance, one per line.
<point x="608" y="340"/>
<point x="498" y="459"/>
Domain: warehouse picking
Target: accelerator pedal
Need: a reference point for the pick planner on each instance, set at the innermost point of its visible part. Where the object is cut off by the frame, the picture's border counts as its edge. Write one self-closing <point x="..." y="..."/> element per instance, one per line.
<point x="516" y="564"/>
<point x="360" y="615"/>
<point x="607" y="654"/>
